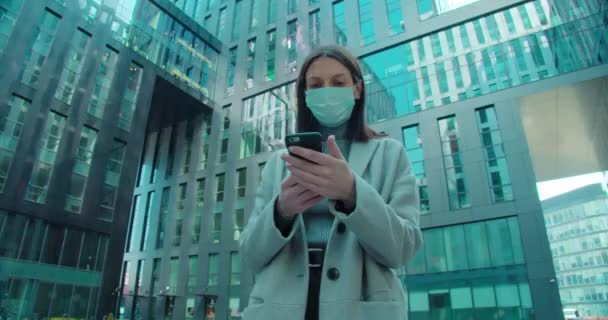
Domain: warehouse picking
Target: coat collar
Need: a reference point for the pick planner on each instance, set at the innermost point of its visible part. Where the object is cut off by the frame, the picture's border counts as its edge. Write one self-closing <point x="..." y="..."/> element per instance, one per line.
<point x="360" y="155"/>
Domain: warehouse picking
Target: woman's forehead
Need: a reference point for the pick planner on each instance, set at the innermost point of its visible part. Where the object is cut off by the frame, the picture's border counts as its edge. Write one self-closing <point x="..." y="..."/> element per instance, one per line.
<point x="326" y="68"/>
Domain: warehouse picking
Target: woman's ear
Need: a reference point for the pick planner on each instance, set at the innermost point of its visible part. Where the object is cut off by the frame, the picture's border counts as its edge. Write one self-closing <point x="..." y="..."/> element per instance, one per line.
<point x="358" y="90"/>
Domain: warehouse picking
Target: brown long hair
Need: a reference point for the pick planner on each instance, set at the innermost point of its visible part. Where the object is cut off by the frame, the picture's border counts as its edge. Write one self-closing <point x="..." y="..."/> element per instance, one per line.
<point x="358" y="130"/>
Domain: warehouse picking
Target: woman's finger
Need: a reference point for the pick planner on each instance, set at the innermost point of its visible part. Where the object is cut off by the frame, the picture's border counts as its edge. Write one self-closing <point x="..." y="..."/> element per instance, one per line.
<point x="307" y="177"/>
<point x="312" y="201"/>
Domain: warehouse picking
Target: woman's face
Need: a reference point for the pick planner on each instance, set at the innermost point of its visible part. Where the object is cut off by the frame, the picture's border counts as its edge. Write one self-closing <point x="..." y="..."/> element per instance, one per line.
<point x="328" y="72"/>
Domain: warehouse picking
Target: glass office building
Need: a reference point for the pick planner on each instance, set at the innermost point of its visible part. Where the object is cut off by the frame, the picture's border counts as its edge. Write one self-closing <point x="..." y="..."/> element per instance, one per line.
<point x="577" y="227"/>
<point x="188" y="98"/>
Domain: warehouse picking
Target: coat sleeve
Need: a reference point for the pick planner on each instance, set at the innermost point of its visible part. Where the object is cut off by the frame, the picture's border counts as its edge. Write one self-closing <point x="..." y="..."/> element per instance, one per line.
<point x="261" y="240"/>
<point x="388" y="231"/>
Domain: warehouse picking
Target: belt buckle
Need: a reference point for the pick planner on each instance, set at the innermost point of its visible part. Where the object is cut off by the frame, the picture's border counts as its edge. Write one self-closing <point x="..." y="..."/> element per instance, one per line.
<point x="314" y="251"/>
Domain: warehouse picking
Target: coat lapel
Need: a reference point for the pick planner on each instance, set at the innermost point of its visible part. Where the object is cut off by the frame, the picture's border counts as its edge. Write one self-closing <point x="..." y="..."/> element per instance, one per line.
<point x="360" y="155"/>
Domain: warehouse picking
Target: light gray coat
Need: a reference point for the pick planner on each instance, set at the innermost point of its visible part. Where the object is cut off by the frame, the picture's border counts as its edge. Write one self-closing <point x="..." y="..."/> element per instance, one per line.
<point x="381" y="233"/>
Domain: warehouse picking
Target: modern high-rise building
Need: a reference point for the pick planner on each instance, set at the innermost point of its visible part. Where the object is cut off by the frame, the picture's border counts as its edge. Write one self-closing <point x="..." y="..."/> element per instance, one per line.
<point x="197" y="93"/>
<point x="577" y="227"/>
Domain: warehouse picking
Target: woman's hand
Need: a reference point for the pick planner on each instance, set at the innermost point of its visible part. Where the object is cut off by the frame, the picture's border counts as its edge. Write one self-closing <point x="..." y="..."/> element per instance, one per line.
<point x="294" y="198"/>
<point x="326" y="175"/>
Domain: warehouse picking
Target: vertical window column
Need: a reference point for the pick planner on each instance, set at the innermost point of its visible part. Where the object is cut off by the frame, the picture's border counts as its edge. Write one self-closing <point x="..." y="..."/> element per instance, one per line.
<point x="366" y="22"/>
<point x="162" y="218"/>
<point x="241" y="193"/>
<point x="145" y="230"/>
<point x="236" y="21"/>
<point x="452" y="160"/>
<point x="224" y="135"/>
<point x="340" y="23"/>
<point x="272" y="11"/>
<point x="213" y="271"/>
<point x="230" y="73"/>
<point x="221" y="24"/>
<point x="235" y="284"/>
<point x="271" y="41"/>
<point x="206" y="133"/>
<point x="9" y="12"/>
<point x="216" y="220"/>
<point x="200" y="197"/>
<point x="72" y="67"/>
<point x="292" y="53"/>
<point x="39" y="49"/>
<point x="129" y="100"/>
<point x="11" y="117"/>
<point x="45" y="158"/>
<point x="496" y="162"/>
<point x="103" y="82"/>
<point x="395" y="16"/>
<point x="179" y="214"/>
<point x="81" y="169"/>
<point x="413" y="147"/>
<point x="314" y="28"/>
<point x="185" y="167"/>
<point x="254" y="12"/>
<point x="250" y="63"/>
<point x="112" y="180"/>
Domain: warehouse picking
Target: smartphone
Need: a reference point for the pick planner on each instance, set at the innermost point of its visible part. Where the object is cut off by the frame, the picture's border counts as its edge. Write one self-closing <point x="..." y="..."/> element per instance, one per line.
<point x="308" y="140"/>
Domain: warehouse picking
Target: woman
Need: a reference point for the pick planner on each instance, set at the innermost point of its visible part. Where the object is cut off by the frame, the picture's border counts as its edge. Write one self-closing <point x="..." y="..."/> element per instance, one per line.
<point x="324" y="232"/>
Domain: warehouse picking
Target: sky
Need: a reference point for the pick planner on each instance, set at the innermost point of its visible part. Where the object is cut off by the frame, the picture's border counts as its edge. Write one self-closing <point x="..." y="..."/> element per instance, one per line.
<point x="552" y="188"/>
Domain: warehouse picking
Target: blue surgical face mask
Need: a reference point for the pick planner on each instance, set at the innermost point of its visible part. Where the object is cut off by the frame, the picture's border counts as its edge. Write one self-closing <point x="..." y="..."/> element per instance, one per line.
<point x="332" y="106"/>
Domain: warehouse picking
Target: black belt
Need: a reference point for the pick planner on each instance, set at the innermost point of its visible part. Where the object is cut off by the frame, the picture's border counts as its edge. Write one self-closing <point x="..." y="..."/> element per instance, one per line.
<point x="315" y="257"/>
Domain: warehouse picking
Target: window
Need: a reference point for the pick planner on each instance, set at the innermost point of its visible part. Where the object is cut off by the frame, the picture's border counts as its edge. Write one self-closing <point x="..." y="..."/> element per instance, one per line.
<point x="239" y="213"/>
<point x="206" y="133"/>
<point x="224" y="135"/>
<point x="8" y="15"/>
<point x="129" y="100"/>
<point x="236" y="21"/>
<point x="292" y="53"/>
<point x="103" y="80"/>
<point x="162" y="218"/>
<point x="179" y="214"/>
<point x="395" y="18"/>
<point x="214" y="270"/>
<point x="139" y="276"/>
<point x="250" y="63"/>
<point x="143" y="245"/>
<point x="413" y="147"/>
<point x="292" y="6"/>
<point x="314" y="28"/>
<point x="340" y="23"/>
<point x="200" y="195"/>
<point x="452" y="159"/>
<point x="39" y="49"/>
<point x="187" y="154"/>
<point x="11" y="126"/>
<point x="235" y="282"/>
<point x="112" y="180"/>
<point x="430" y="8"/>
<point x="270" y="54"/>
<point x="155" y="283"/>
<point x="45" y="159"/>
<point x="72" y="67"/>
<point x="266" y="119"/>
<point x="173" y="275"/>
<point x="216" y="222"/>
<point x="496" y="163"/>
<point x="192" y="274"/>
<point x="230" y="73"/>
<point x="155" y="160"/>
<point x="254" y="14"/>
<point x="81" y="169"/>
<point x="272" y="11"/>
<point x="366" y="22"/>
<point x="221" y="24"/>
<point x="134" y="225"/>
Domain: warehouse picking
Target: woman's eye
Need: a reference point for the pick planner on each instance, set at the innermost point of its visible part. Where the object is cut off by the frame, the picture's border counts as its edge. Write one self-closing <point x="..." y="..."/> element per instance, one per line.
<point x="339" y="83"/>
<point x="315" y="86"/>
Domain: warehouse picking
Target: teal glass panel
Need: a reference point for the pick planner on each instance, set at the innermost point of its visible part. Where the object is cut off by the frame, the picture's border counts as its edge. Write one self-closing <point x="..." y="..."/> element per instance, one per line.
<point x="366" y="22"/>
<point x="435" y="251"/>
<point x="477" y="245"/>
<point x="425" y="9"/>
<point x="395" y="18"/>
<point x="499" y="238"/>
<point x="340" y="35"/>
<point x="455" y="246"/>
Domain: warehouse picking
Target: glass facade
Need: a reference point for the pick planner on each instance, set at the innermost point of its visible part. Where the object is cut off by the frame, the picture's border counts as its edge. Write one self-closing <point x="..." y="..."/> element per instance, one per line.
<point x="272" y="11"/>
<point x="216" y="219"/>
<point x="271" y="40"/>
<point x="112" y="180"/>
<point x="496" y="162"/>
<point x="234" y="36"/>
<point x="239" y="210"/>
<point x="314" y="28"/>
<point x="366" y="22"/>
<point x="430" y="8"/>
<point x="224" y="135"/>
<point x="103" y="82"/>
<point x="254" y="15"/>
<point x="452" y="160"/>
<point x="395" y="16"/>
<point x="230" y="73"/>
<point x="235" y="286"/>
<point x="9" y="11"/>
<point x="81" y="169"/>
<point x="291" y="44"/>
<point x="465" y="64"/>
<point x="73" y="66"/>
<point x="250" y="63"/>
<point x="45" y="159"/>
<point x="12" y="115"/>
<point x="129" y="99"/>
<point x="340" y="35"/>
<point x="39" y="49"/>
<point x="213" y="268"/>
<point x="162" y="218"/>
<point x="200" y="197"/>
<point x="179" y="214"/>
<point x="35" y="255"/>
<point x="413" y="147"/>
<point x="206" y="135"/>
<point x="577" y="229"/>
<point x="266" y="119"/>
